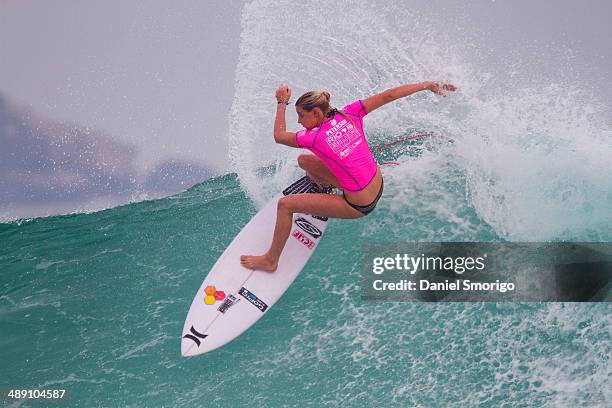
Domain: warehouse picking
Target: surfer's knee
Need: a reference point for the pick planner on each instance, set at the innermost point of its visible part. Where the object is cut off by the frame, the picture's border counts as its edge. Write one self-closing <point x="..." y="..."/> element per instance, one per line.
<point x="305" y="161"/>
<point x="284" y="204"/>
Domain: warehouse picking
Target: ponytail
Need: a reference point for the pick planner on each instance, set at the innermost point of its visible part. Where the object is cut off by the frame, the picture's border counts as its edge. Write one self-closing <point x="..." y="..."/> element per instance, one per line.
<point x="320" y="99"/>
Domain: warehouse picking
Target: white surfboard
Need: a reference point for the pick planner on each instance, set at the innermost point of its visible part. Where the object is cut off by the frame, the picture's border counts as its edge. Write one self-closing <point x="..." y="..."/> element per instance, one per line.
<point x="238" y="297"/>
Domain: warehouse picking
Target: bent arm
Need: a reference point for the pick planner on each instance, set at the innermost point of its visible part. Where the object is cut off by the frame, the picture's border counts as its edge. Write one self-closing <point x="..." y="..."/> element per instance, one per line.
<point x="378" y="100"/>
<point x="280" y="133"/>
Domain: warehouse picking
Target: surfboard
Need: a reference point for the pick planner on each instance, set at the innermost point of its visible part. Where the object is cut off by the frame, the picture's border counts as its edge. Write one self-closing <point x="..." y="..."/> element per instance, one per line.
<point x="233" y="298"/>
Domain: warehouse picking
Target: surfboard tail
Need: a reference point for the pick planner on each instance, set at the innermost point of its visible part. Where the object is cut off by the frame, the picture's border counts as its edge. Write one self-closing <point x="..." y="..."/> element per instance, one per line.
<point x="306" y="185"/>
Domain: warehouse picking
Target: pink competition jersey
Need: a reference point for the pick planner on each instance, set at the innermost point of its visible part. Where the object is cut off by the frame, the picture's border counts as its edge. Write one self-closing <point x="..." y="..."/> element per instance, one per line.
<point x="342" y="147"/>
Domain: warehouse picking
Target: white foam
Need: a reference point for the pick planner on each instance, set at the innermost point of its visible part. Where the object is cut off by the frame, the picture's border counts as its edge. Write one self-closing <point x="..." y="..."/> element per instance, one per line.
<point x="531" y="159"/>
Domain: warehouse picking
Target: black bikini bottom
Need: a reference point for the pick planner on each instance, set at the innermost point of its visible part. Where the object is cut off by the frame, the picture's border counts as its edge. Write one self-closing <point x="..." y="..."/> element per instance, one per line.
<point x="366" y="209"/>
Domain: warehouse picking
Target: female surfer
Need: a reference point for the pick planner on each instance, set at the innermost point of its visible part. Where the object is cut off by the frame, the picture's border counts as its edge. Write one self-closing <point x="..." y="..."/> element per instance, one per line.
<point x="342" y="159"/>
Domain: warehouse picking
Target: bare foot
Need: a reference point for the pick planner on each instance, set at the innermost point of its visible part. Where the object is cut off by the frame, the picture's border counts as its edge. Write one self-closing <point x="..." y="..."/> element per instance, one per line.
<point x="262" y="263"/>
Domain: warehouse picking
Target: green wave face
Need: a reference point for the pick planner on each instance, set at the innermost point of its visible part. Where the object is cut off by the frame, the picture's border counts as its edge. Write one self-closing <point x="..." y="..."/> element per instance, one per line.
<point x="95" y="303"/>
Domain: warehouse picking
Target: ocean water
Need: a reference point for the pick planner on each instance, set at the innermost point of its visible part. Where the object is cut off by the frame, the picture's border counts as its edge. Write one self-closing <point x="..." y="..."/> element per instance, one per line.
<point x="94" y="302"/>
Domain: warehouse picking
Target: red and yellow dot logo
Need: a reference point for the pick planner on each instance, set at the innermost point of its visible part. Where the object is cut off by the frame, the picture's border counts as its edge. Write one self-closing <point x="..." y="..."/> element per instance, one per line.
<point x="212" y="295"/>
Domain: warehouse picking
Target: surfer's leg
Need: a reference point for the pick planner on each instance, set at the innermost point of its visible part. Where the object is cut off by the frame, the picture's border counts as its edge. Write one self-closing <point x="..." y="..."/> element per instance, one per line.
<point x="317" y="170"/>
<point x="327" y="205"/>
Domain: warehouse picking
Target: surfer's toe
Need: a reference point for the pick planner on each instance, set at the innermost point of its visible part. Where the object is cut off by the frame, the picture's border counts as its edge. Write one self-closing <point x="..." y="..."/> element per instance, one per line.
<point x="263" y="262"/>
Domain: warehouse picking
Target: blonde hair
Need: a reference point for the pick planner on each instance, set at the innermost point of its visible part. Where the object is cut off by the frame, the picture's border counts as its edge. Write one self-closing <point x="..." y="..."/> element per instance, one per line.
<point x="320" y="99"/>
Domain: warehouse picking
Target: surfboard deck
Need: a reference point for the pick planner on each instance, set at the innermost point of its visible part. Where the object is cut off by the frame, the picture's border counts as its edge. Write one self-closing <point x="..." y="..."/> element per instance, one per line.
<point x="238" y="297"/>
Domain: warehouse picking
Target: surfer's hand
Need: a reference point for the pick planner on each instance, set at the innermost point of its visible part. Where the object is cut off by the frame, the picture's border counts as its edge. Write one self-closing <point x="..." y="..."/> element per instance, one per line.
<point x="283" y="93"/>
<point x="440" y="88"/>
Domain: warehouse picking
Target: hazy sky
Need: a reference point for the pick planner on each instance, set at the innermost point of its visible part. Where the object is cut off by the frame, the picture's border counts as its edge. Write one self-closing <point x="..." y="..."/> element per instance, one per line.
<point x="154" y="73"/>
<point x="161" y="75"/>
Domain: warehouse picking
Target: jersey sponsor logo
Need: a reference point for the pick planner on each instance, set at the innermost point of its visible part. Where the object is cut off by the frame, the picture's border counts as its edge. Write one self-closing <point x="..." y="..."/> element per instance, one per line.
<point x="307" y="227"/>
<point x="343" y="142"/>
<point x="253" y="299"/>
<point x="336" y="127"/>
<point x="229" y="301"/>
<point x="195" y="336"/>
<point x="308" y="243"/>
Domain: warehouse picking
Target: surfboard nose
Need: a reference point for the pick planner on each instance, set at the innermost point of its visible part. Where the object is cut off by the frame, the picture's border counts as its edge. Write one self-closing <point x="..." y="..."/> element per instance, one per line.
<point x="188" y="348"/>
<point x="191" y="341"/>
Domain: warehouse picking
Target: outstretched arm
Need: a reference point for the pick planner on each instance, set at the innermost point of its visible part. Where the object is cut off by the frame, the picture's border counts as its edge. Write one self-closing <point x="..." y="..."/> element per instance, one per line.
<point x="283" y="93"/>
<point x="378" y="100"/>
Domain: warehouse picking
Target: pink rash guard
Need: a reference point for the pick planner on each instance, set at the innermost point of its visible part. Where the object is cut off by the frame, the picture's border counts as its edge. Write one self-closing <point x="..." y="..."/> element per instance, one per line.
<point x="342" y="147"/>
